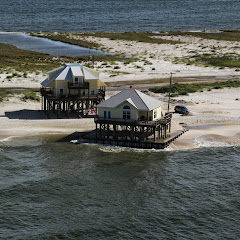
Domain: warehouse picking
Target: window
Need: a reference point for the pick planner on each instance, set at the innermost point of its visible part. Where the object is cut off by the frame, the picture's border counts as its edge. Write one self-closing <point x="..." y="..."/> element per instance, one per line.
<point x="92" y="92"/>
<point x="61" y="91"/>
<point x="76" y="80"/>
<point x="126" y="112"/>
<point x="107" y="114"/>
<point x="155" y="114"/>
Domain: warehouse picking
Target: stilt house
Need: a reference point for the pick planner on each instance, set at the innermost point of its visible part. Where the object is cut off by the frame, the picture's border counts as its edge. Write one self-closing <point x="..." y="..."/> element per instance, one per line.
<point x="131" y="116"/>
<point x="71" y="88"/>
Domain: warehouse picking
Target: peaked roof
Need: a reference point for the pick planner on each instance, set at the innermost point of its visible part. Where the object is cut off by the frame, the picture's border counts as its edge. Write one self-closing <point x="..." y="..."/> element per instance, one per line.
<point x="136" y="98"/>
<point x="68" y="71"/>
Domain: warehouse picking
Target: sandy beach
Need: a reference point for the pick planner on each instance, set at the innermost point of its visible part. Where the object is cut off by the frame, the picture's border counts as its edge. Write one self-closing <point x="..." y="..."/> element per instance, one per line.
<point x="214" y="117"/>
<point x="214" y="120"/>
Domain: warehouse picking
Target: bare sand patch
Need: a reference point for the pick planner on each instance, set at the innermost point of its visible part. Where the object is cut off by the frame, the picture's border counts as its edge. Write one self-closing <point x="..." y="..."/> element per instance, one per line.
<point x="214" y="119"/>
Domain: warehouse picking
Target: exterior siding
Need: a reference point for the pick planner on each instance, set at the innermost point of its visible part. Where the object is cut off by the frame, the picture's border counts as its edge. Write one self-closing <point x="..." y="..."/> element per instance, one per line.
<point x="135" y="114"/>
<point x="118" y="112"/>
<point x="56" y="85"/>
<point x="59" y="85"/>
<point x="159" y="113"/>
<point x="93" y="85"/>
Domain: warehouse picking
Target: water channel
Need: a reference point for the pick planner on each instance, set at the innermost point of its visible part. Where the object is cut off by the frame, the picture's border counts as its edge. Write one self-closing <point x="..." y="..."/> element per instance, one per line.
<point x="44" y="45"/>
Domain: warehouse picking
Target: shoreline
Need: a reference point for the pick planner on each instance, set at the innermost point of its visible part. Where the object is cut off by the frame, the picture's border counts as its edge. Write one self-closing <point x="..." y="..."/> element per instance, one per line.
<point x="153" y="61"/>
<point x="154" y="64"/>
<point x="189" y="141"/>
<point x="212" y="123"/>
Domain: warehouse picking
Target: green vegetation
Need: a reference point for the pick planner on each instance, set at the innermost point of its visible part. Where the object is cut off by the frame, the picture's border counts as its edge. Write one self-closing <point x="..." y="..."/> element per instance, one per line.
<point x="74" y="38"/>
<point x="31" y="95"/>
<point x="184" y="89"/>
<point x="222" y="61"/>
<point x="116" y="73"/>
<point x="3" y="94"/>
<point x="146" y="37"/>
<point x="24" y="60"/>
<point x="226" y="35"/>
<point x="27" y="94"/>
<point x="67" y="38"/>
<point x="13" y="60"/>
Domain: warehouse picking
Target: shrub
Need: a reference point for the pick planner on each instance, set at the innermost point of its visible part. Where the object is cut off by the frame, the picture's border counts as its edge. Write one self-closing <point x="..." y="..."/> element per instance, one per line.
<point x="184" y="89"/>
<point x="30" y="96"/>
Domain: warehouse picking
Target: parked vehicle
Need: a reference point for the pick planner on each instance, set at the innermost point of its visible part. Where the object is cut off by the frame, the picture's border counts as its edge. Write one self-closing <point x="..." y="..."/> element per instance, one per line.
<point x="181" y="109"/>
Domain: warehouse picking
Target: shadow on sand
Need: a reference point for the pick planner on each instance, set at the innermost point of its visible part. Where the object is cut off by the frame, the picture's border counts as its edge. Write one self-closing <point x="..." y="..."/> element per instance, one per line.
<point x="29" y="114"/>
<point x="26" y="114"/>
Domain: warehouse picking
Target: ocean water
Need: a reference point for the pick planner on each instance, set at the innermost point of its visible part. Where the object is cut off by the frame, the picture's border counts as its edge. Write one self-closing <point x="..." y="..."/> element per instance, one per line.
<point x="113" y="15"/>
<point x="51" y="190"/>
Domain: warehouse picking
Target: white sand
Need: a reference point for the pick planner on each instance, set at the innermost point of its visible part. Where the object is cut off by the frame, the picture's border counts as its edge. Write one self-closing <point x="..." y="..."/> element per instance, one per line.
<point x="219" y="107"/>
<point x="161" y="57"/>
<point x="19" y="118"/>
<point x="214" y="114"/>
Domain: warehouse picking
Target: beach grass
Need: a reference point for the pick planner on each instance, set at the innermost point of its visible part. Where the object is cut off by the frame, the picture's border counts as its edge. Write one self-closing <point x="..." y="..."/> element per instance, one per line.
<point x="215" y="60"/>
<point x="67" y="38"/>
<point x="223" y="35"/>
<point x="184" y="89"/>
<point x="31" y="94"/>
<point x="27" y="61"/>
<point x="3" y="94"/>
<point x="78" y="38"/>
<point x="146" y="37"/>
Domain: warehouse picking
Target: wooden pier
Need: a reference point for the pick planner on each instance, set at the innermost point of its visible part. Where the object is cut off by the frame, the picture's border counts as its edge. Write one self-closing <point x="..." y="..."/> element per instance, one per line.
<point x="132" y="130"/>
<point x="147" y="144"/>
<point x="133" y="134"/>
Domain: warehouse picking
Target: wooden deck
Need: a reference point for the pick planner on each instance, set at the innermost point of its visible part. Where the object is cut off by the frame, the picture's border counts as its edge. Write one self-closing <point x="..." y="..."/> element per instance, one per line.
<point x="70" y="97"/>
<point x="148" y="144"/>
<point x="120" y="121"/>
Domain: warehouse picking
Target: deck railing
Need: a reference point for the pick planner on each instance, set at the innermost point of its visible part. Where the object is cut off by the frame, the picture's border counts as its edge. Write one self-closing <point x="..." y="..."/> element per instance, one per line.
<point x="132" y="121"/>
<point x="47" y="92"/>
<point x="83" y="85"/>
<point x="164" y="120"/>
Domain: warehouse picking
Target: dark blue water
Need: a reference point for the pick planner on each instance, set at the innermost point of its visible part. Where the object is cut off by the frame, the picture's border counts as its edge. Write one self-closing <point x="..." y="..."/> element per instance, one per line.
<point x="113" y="15"/>
<point x="52" y="190"/>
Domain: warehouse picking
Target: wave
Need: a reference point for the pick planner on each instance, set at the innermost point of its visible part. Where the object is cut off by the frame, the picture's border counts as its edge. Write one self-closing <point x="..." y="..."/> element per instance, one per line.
<point x="216" y="141"/>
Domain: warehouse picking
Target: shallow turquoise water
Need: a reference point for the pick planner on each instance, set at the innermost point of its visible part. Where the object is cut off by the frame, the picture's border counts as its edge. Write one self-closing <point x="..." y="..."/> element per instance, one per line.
<point x="52" y="190"/>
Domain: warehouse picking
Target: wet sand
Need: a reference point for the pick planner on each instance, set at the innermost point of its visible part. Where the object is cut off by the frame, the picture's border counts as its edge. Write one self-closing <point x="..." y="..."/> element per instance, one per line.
<point x="214" y="120"/>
